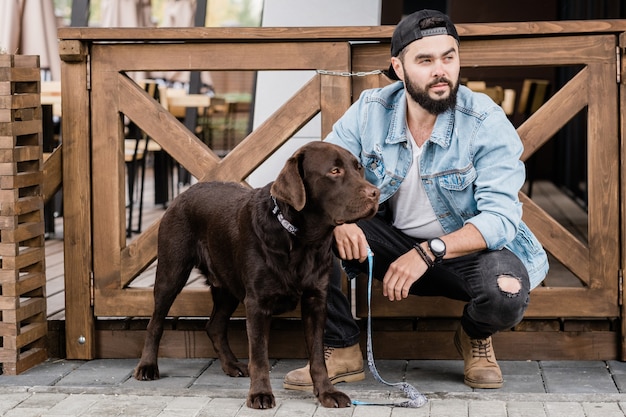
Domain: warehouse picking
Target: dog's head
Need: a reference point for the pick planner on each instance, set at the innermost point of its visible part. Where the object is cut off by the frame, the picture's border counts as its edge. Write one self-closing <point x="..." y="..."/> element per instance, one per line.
<point x="325" y="177"/>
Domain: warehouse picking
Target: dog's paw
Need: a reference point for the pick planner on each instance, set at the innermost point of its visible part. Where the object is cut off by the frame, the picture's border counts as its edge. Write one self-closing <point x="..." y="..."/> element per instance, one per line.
<point x="261" y="400"/>
<point x="334" y="399"/>
<point x="236" y="369"/>
<point x="146" y="373"/>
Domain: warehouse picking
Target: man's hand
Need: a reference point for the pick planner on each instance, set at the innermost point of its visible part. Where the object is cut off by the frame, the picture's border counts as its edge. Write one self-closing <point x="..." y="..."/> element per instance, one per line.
<point x="351" y="242"/>
<point x="402" y="273"/>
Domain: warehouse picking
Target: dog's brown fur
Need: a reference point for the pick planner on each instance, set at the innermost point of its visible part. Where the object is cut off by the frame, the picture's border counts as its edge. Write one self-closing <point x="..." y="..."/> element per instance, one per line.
<point x="230" y="233"/>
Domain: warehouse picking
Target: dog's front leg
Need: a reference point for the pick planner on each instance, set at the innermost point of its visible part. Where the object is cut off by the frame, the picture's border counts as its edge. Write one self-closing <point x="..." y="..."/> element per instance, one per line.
<point x="313" y="307"/>
<point x="258" y="329"/>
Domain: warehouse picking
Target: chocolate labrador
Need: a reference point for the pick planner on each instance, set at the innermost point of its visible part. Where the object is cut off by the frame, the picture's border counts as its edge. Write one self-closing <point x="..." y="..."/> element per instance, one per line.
<point x="268" y="248"/>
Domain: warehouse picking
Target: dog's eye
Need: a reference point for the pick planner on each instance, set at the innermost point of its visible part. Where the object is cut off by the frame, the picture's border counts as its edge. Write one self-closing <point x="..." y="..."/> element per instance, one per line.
<point x="335" y="171"/>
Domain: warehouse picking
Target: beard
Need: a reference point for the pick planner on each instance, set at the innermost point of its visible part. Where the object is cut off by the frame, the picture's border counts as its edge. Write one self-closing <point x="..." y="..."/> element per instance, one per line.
<point x="434" y="106"/>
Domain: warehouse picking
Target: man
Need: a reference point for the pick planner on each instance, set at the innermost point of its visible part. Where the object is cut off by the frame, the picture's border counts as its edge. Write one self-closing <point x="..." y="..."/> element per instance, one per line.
<point x="447" y="163"/>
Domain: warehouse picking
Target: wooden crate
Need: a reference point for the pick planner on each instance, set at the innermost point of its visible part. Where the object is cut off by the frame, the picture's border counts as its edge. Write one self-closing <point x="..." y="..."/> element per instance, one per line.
<point x="23" y="325"/>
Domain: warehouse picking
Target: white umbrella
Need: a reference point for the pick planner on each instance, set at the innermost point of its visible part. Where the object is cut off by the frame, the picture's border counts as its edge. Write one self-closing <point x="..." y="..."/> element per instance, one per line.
<point x="126" y="13"/>
<point x="29" y="27"/>
<point x="181" y="13"/>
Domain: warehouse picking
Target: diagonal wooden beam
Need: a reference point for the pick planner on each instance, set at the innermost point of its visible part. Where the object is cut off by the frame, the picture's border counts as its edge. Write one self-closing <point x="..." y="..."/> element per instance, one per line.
<point x="554" y="114"/>
<point x="268" y="137"/>
<point x="557" y="240"/>
<point x="164" y="128"/>
<point x="138" y="255"/>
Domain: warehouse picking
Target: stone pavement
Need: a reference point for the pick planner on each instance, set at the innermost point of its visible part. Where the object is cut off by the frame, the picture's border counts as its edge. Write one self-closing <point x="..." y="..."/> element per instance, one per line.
<point x="198" y="388"/>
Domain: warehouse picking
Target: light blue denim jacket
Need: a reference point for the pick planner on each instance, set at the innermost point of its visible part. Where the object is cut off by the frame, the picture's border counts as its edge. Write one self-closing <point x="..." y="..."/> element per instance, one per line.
<point x="470" y="166"/>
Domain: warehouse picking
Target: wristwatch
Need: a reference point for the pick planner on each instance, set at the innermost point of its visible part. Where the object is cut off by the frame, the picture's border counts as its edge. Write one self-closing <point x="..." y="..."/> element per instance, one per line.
<point x="438" y="248"/>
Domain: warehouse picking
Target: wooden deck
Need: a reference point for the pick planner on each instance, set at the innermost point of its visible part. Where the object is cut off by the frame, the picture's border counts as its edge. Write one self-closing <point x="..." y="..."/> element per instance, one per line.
<point x="549" y="197"/>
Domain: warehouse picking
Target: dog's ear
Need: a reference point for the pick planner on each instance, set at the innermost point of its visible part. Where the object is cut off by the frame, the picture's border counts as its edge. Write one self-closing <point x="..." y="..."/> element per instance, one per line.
<point x="288" y="186"/>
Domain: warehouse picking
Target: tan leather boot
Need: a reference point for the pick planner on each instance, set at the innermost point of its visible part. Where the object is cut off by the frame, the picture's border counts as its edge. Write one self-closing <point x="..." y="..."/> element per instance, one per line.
<point x="481" y="368"/>
<point x="343" y="365"/>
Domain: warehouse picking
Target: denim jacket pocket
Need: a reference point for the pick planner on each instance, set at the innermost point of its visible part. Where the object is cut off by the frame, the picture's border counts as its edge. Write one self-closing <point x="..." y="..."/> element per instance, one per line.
<point x="375" y="165"/>
<point x="457" y="180"/>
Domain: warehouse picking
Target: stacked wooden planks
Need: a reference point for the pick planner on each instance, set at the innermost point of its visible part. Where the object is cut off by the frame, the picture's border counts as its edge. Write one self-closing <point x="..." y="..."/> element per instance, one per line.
<point x="23" y="323"/>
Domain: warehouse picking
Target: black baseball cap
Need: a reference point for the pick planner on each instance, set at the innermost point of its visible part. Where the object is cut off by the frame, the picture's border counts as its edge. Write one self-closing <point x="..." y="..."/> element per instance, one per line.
<point x="408" y="30"/>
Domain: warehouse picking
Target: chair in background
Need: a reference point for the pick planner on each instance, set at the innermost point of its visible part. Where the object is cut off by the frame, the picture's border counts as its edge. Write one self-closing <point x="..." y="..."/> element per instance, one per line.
<point x="137" y="145"/>
<point x="534" y="93"/>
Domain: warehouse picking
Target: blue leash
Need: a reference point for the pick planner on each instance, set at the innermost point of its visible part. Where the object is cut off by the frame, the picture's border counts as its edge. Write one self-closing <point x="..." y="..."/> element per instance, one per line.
<point x="415" y="399"/>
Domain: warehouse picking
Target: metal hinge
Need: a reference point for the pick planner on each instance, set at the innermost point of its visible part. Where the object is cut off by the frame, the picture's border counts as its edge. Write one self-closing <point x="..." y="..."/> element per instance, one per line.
<point x="620" y="285"/>
<point x="618" y="63"/>
<point x="92" y="290"/>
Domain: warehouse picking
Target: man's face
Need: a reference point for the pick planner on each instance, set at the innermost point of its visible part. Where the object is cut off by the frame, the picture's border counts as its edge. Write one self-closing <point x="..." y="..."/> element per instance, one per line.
<point x="430" y="70"/>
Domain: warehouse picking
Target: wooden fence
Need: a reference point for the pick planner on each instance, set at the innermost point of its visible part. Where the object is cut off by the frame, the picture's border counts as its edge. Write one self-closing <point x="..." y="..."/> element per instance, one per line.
<point x="101" y="265"/>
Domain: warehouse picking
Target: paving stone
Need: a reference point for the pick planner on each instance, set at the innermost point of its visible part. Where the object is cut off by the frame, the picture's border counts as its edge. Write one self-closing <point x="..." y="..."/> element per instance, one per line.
<point x="188" y="403"/>
<point x="26" y="412"/>
<point x="372" y="411"/>
<point x="617" y="367"/>
<point x="296" y="408"/>
<point x="73" y="404"/>
<point x="334" y="412"/>
<point x="423" y="411"/>
<point x="576" y="380"/>
<point x="522" y="384"/>
<point x="436" y="376"/>
<point x="222" y="407"/>
<point x="43" y="401"/>
<point x="100" y="373"/>
<point x="564" y="409"/>
<point x="602" y="410"/>
<point x="487" y="409"/>
<point x="10" y="400"/>
<point x="46" y="373"/>
<point x="449" y="408"/>
<point x="525" y="409"/>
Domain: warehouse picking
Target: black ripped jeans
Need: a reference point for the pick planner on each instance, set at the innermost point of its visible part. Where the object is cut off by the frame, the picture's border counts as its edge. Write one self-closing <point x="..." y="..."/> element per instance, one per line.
<point x="471" y="278"/>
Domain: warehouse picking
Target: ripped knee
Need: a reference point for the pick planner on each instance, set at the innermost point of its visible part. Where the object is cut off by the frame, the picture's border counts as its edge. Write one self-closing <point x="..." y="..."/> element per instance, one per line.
<point x="510" y="285"/>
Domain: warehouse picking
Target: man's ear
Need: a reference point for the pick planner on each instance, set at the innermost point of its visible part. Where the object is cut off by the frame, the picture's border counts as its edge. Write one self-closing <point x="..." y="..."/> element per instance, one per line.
<point x="397" y="67"/>
<point x="289" y="186"/>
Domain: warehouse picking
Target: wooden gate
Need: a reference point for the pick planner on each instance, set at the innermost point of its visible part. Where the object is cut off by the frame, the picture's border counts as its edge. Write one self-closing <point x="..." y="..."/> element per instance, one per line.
<point x="97" y="91"/>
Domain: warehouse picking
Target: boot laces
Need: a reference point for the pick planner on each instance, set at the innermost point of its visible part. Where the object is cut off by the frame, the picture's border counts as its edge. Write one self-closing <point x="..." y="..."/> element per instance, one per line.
<point x="328" y="351"/>
<point x="481" y="348"/>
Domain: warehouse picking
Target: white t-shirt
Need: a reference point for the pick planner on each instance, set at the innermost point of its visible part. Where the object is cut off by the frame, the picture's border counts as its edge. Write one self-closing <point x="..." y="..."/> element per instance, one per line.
<point x="411" y="208"/>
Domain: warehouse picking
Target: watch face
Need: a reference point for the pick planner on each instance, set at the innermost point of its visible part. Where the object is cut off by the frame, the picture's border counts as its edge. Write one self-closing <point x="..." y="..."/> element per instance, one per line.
<point x="437" y="246"/>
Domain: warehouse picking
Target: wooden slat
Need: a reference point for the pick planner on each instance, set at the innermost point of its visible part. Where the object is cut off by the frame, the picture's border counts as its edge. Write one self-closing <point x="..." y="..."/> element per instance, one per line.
<point x="334" y="33"/>
<point x="506" y="52"/>
<point x="335" y="96"/>
<point x="223" y="56"/>
<point x="581" y="302"/>
<point x="77" y="211"/>
<point x="603" y="182"/>
<point x="52" y="173"/>
<point x="139" y="302"/>
<point x="108" y="182"/>
<point x="540" y="345"/>
<point x="622" y="144"/>
<point x="523" y="52"/>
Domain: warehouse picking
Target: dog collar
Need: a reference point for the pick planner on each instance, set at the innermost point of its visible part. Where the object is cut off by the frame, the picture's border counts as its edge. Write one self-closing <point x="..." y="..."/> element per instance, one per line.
<point x="284" y="222"/>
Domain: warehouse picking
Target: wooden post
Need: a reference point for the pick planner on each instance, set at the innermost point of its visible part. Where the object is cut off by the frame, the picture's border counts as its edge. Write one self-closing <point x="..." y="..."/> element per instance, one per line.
<point x="23" y="325"/>
<point x="79" y="319"/>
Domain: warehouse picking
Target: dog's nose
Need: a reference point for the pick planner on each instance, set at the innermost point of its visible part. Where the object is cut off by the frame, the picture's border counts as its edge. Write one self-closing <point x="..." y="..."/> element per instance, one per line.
<point x="372" y="192"/>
